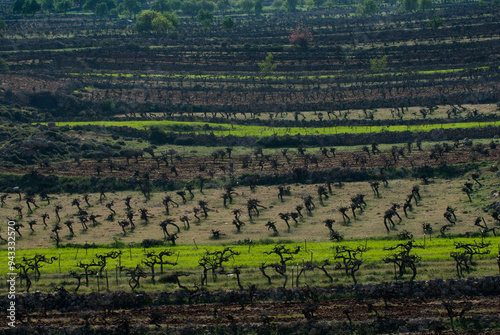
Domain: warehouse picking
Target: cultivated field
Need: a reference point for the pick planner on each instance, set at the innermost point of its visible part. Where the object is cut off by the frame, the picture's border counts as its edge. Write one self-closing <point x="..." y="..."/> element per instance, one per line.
<point x="228" y="181"/>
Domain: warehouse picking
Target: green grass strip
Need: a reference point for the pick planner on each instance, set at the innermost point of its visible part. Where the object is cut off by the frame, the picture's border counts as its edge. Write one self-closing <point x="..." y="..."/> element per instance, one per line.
<point x="436" y="249"/>
<point x="268" y="77"/>
<point x="224" y="129"/>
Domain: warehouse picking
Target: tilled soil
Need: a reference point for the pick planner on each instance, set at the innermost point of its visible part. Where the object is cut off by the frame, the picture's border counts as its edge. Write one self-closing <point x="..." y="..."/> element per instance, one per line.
<point x="204" y="166"/>
<point x="340" y="310"/>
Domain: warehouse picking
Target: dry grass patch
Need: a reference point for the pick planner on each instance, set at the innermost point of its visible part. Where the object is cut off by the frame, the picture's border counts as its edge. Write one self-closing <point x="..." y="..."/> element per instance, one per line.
<point x="436" y="196"/>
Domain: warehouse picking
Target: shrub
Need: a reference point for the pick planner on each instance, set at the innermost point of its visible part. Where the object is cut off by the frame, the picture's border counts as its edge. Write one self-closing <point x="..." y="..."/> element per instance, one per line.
<point x="118" y="244"/>
<point x="108" y="105"/>
<point x="157" y="136"/>
<point x="148" y="243"/>
<point x="3" y="64"/>
<point x="301" y="37"/>
<point x="184" y="141"/>
<point x="378" y="64"/>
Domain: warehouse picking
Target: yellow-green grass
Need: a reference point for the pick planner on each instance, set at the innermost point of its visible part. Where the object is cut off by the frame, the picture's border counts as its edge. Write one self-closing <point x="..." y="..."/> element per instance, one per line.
<point x="223" y="129"/>
<point x="367" y="229"/>
<point x="436" y="196"/>
<point x="435" y="263"/>
<point x="216" y="76"/>
<point x="412" y="113"/>
<point x="200" y="150"/>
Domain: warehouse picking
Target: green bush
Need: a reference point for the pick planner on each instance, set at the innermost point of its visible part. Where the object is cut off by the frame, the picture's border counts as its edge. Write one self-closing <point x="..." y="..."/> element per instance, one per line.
<point x="157" y="136"/>
<point x="3" y="64"/>
<point x="184" y="141"/>
<point x="117" y="244"/>
<point x="108" y="105"/>
<point x="148" y="243"/>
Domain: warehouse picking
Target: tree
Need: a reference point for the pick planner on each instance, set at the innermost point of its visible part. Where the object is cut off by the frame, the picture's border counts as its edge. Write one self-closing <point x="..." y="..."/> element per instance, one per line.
<point x="291" y="5"/>
<point x="301" y="37"/>
<point x="30" y="199"/>
<point x="31" y="224"/>
<point x="322" y="192"/>
<point x="55" y="233"/>
<point x="238" y="224"/>
<point x="123" y="224"/>
<point x="426" y="4"/>
<point x="345" y="217"/>
<point x="3" y="64"/>
<point x="310" y="266"/>
<point x="253" y="207"/>
<point x="161" y="6"/>
<point x="213" y="260"/>
<point x="64" y="5"/>
<point x="246" y="6"/>
<point x="404" y="259"/>
<point x="350" y="261"/>
<point x="78" y="277"/>
<point x="135" y="276"/>
<point x="205" y="17"/>
<point x="79" y="3"/>
<point x="86" y="268"/>
<point x="153" y="21"/>
<point x="45" y="216"/>
<point x="267" y="65"/>
<point x="285" y="255"/>
<point x="167" y="201"/>
<point x="17" y="6"/>
<point x="130" y="8"/>
<point x="435" y="22"/>
<point x="3" y="27"/>
<point x="410" y="5"/>
<point x="368" y="7"/>
<point x="153" y="259"/>
<point x="407" y="205"/>
<point x="227" y="24"/>
<point x="285" y="217"/>
<point x="378" y="64"/>
<point x="258" y="7"/>
<point x="48" y="5"/>
<point x="375" y="185"/>
<point x="19" y="210"/>
<point x="204" y="207"/>
<point x="388" y="217"/>
<point x="164" y="226"/>
<point x="25" y="267"/>
<point x="101" y="10"/>
<point x="190" y="7"/>
<point x="30" y="7"/>
<point x="318" y="3"/>
<point x="69" y="224"/>
<point x="173" y="18"/>
<point x="467" y="191"/>
<point x="272" y="225"/>
<point x="162" y="25"/>
<point x="309" y="204"/>
<point x="76" y="203"/>
<point x="463" y="258"/>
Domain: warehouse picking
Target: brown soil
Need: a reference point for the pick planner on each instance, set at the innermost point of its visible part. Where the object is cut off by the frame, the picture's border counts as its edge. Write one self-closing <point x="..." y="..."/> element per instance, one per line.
<point x="276" y="312"/>
<point x="189" y="167"/>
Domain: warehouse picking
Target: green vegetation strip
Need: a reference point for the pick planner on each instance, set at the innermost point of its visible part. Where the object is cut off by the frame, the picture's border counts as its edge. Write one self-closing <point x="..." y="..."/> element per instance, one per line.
<point x="436" y="249"/>
<point x="223" y="129"/>
<point x="267" y="77"/>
